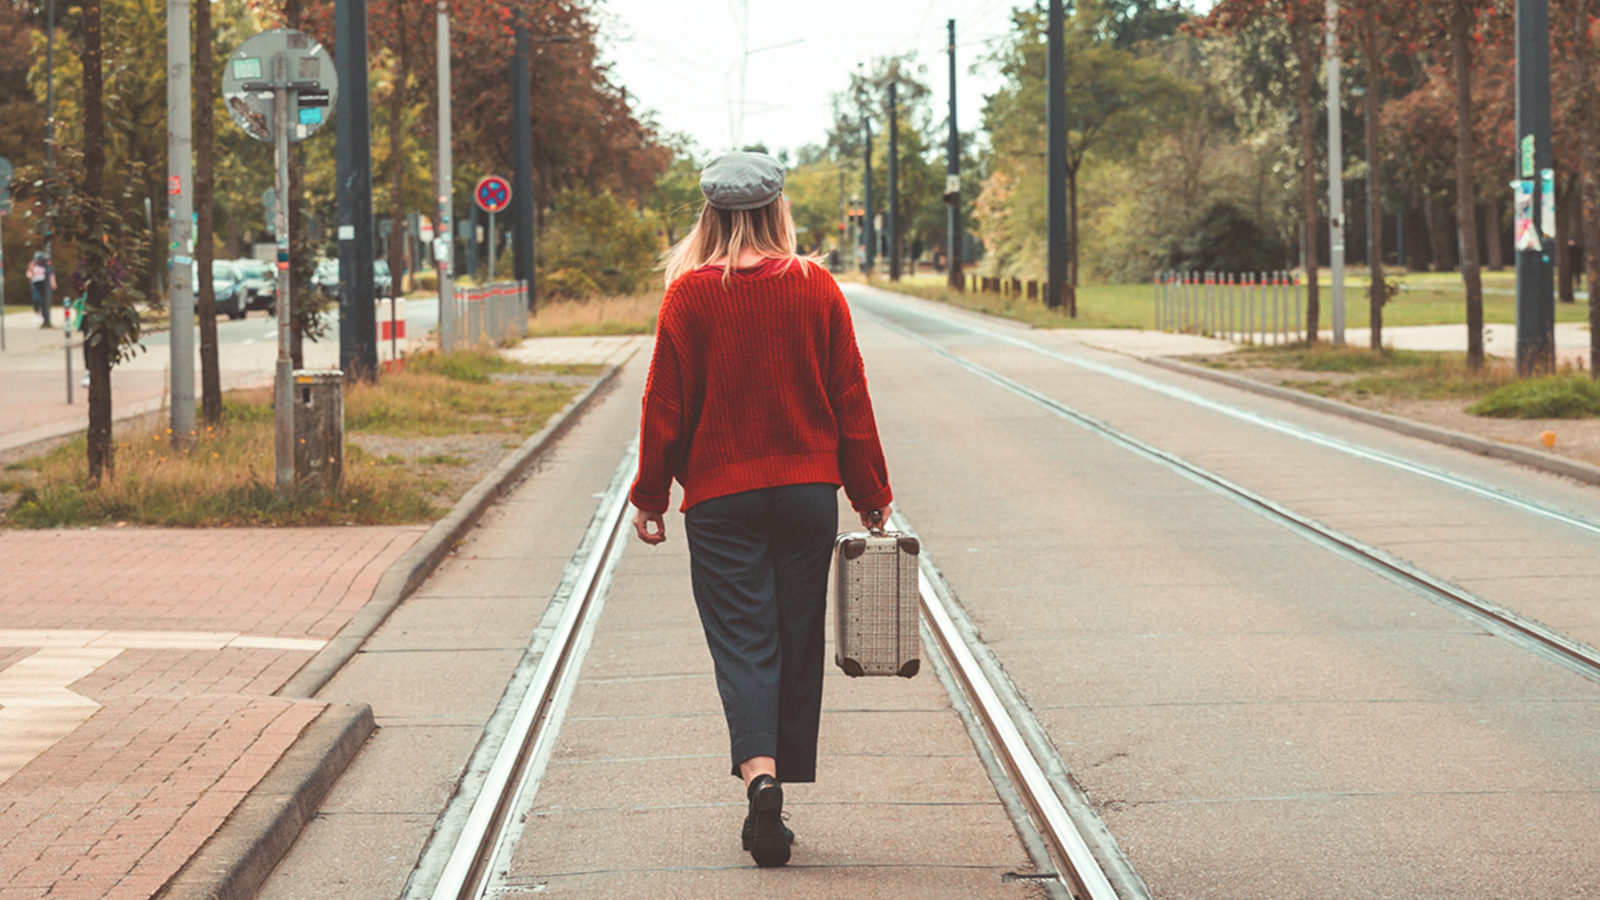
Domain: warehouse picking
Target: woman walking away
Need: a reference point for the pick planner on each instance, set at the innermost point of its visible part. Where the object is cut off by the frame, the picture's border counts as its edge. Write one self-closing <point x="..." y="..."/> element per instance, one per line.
<point x="757" y="404"/>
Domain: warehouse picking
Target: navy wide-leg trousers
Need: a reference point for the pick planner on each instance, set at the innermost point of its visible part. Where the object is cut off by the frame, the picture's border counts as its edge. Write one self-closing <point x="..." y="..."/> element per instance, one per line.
<point x="759" y="564"/>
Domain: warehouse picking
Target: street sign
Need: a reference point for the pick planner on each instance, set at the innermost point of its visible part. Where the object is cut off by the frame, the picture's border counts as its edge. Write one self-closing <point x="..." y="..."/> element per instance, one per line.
<point x="280" y="58"/>
<point x="493" y="194"/>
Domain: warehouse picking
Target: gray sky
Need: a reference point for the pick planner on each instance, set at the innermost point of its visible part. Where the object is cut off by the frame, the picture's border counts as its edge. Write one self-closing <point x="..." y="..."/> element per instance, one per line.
<point x="682" y="59"/>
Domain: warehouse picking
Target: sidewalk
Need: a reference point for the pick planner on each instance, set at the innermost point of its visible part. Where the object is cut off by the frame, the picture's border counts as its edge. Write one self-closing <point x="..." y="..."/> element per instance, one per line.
<point x="138" y="677"/>
<point x="137" y="671"/>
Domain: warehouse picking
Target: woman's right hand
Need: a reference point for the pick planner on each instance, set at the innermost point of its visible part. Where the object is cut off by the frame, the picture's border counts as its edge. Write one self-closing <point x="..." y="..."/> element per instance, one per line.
<point x="882" y="518"/>
<point x="641" y="524"/>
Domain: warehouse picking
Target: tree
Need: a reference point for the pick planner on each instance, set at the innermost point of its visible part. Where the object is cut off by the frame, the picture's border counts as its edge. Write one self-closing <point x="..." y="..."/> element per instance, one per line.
<point x="1302" y="21"/>
<point x="1462" y="16"/>
<point x="1116" y="99"/>
<point x="204" y="132"/>
<point x="1583" y="31"/>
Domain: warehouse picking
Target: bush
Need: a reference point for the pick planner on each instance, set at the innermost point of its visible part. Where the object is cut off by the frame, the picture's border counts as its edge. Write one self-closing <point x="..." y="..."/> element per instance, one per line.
<point x="595" y="244"/>
<point x="1225" y="239"/>
<point x="1570" y="396"/>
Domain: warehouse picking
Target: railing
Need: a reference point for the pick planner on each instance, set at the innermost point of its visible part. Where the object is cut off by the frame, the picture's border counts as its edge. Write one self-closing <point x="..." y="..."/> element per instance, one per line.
<point x="1248" y="307"/>
<point x="491" y="314"/>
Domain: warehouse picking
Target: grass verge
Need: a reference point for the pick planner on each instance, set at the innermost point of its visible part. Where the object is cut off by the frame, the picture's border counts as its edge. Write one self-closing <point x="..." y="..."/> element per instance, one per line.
<point x="1570" y="395"/>
<point x="414" y="443"/>
<point x="1430" y="298"/>
<point x="1355" y="374"/>
<point x="630" y="314"/>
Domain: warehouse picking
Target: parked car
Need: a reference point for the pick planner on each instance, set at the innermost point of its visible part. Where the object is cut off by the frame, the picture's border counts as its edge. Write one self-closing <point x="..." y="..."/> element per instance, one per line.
<point x="326" y="278"/>
<point x="227" y="284"/>
<point x="260" y="283"/>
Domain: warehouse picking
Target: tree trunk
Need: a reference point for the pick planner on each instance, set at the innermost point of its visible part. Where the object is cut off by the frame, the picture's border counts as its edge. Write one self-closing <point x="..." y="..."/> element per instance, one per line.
<point x="205" y="222"/>
<point x="1566" y="218"/>
<point x="1305" y="42"/>
<point x="94" y="255"/>
<point x="1438" y="239"/>
<point x="1377" y="291"/>
<point x="1589" y="169"/>
<point x="1069" y="297"/>
<point x="1491" y="234"/>
<point x="1466" y="214"/>
<point x="397" y="221"/>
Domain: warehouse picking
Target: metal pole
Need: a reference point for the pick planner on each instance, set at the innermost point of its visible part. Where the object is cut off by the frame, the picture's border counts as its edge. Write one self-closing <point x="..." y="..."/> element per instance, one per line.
<point x="50" y="156"/>
<point x="1535" y="281"/>
<point x="1335" y="174"/>
<point x="952" y="185"/>
<point x="180" y="234"/>
<point x="282" y="405"/>
<point x="2" y="272"/>
<point x="358" y="326"/>
<point x="894" y="186"/>
<point x="1056" y="195"/>
<point x="445" y="231"/>
<point x="490" y="279"/>
<point x="522" y="149"/>
<point x="871" y="231"/>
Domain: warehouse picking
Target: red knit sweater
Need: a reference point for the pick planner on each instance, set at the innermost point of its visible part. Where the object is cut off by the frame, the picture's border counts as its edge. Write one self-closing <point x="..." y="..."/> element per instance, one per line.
<point x="757" y="384"/>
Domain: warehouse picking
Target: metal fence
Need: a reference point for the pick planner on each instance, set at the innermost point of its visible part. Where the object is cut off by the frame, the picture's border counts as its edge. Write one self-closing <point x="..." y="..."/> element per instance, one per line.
<point x="491" y="314"/>
<point x="1248" y="307"/>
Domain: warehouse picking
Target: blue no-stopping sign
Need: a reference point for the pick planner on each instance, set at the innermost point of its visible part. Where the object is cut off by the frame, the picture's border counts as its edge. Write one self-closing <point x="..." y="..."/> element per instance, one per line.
<point x="493" y="194"/>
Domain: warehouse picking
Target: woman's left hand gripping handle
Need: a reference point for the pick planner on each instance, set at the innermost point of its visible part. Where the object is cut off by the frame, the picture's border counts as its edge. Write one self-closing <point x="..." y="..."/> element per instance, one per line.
<point x="641" y="523"/>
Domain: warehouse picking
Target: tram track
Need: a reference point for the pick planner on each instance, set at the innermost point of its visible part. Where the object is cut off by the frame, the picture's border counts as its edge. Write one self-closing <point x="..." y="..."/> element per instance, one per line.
<point x="1493" y="617"/>
<point x="469" y="855"/>
<point x="896" y="318"/>
<point x="1071" y="846"/>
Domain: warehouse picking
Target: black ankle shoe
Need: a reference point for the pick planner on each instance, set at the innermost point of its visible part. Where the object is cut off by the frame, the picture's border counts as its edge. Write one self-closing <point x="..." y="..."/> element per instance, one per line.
<point x="764" y="833"/>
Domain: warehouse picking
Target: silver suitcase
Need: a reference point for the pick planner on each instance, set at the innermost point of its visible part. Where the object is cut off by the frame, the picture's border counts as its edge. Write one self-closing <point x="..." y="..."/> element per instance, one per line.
<point x="876" y="604"/>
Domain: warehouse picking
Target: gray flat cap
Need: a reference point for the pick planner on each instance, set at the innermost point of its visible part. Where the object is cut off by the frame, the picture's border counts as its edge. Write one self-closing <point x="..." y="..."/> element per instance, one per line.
<point x="742" y="181"/>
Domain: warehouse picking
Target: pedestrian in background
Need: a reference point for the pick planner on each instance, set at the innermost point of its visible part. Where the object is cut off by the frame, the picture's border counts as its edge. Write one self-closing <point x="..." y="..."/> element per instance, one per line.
<point x="757" y="405"/>
<point x="43" y="280"/>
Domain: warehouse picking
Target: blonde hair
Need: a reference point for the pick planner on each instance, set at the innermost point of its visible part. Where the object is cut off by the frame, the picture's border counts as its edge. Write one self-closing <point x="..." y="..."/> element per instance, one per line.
<point x="725" y="233"/>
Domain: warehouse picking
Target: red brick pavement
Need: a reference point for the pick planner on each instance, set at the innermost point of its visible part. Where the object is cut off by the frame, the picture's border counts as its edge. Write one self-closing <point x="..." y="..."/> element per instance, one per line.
<point x="115" y="806"/>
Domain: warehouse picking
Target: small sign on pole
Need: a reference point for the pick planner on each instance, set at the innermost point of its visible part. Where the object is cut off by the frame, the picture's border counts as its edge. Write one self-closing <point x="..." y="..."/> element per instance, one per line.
<point x="278" y="86"/>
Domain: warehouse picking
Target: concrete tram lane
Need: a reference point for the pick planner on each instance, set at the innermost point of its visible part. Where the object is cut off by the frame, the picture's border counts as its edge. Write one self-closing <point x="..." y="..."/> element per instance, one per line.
<point x="1252" y="715"/>
<point x="637" y="801"/>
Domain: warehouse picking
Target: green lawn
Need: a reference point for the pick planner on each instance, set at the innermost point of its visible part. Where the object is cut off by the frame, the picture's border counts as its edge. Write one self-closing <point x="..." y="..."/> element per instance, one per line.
<point x="1427" y="298"/>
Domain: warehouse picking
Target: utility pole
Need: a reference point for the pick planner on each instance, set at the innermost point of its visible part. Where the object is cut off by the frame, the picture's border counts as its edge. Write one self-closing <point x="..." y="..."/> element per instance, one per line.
<point x="180" y="234"/>
<point x="894" y="186"/>
<point x="1056" y="198"/>
<point x="1536" y="338"/>
<point x="358" y="318"/>
<point x="444" y="239"/>
<point x="1335" y="173"/>
<point x="522" y="178"/>
<point x="952" y="184"/>
<point x="868" y="229"/>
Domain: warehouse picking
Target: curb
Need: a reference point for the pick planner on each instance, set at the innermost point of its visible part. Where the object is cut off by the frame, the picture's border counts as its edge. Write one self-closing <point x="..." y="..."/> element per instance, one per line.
<point x="235" y="861"/>
<point x="414" y="566"/>
<point x="1555" y="465"/>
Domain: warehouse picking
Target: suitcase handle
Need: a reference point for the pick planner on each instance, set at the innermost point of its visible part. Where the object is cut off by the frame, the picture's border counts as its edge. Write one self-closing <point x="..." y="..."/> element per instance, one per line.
<point x="875" y="522"/>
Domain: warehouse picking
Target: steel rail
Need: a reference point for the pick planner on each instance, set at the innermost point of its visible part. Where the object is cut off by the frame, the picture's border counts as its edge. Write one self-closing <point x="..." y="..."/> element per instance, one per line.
<point x="1532" y="507"/>
<point x="1080" y="871"/>
<point x="466" y="872"/>
<point x="1575" y="655"/>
